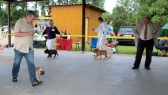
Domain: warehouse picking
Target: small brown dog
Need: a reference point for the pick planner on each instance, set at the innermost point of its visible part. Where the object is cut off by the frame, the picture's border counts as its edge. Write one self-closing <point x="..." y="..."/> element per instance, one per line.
<point x="39" y="71"/>
<point x="100" y="53"/>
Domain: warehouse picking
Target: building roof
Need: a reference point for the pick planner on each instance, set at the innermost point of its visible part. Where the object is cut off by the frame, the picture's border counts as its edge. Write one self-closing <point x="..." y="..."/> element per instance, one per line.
<point x="87" y="5"/>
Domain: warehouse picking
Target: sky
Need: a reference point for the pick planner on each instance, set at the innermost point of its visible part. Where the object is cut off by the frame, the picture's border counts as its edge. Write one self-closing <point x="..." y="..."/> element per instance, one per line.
<point x="109" y="5"/>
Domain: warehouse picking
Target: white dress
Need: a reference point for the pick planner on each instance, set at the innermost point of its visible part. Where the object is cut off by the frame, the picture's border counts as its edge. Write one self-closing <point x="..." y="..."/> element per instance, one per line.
<point x="102" y="33"/>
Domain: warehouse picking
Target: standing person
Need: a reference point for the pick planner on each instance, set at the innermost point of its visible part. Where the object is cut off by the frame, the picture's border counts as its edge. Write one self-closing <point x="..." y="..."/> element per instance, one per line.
<point x="51" y="32"/>
<point x="147" y="33"/>
<point x="102" y="33"/>
<point x="23" y="47"/>
<point x="110" y="31"/>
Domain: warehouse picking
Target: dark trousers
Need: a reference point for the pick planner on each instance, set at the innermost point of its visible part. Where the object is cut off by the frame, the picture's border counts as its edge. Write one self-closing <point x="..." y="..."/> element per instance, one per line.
<point x="142" y="44"/>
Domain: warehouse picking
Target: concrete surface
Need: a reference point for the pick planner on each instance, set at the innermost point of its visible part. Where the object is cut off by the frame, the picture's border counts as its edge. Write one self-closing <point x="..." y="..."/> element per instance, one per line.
<point x="74" y="73"/>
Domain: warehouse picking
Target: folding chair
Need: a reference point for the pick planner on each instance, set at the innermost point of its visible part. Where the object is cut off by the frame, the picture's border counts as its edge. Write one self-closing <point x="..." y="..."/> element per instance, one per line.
<point x="93" y="43"/>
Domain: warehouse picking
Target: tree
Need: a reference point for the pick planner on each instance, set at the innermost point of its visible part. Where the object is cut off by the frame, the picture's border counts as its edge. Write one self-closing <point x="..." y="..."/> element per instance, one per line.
<point x="129" y="12"/>
<point x="119" y="17"/>
<point x="107" y="16"/>
<point x="3" y="13"/>
<point x="18" y="10"/>
<point x="98" y="3"/>
<point x="44" y="4"/>
<point x="122" y="14"/>
<point x="159" y="13"/>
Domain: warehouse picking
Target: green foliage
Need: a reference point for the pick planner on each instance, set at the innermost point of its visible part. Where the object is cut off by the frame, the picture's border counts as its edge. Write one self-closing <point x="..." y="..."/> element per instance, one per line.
<point x="3" y="14"/>
<point x="3" y="18"/>
<point x="99" y="3"/>
<point x="129" y="12"/>
<point x="107" y="16"/>
<point x="123" y="14"/>
<point x="159" y="11"/>
<point x="121" y="49"/>
<point x="44" y="4"/>
<point x="18" y="10"/>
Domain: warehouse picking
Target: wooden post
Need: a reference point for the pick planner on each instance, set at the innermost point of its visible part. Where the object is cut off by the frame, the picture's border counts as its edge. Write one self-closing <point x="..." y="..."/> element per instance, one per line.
<point x="9" y="25"/>
<point x="83" y="25"/>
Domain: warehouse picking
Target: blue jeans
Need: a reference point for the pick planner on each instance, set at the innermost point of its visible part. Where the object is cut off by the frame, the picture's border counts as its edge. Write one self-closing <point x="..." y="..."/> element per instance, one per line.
<point x="30" y="63"/>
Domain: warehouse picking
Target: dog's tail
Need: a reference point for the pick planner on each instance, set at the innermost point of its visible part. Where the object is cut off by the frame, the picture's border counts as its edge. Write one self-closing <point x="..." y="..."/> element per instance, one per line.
<point x="57" y="54"/>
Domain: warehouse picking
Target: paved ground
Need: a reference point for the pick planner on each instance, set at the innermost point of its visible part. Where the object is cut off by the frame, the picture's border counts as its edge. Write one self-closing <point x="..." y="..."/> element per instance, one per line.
<point x="74" y="73"/>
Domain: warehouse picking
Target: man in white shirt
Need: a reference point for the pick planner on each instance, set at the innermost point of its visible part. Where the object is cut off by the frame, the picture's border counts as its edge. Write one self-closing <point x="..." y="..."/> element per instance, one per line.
<point x="146" y="34"/>
<point x="102" y="33"/>
<point x="23" y="47"/>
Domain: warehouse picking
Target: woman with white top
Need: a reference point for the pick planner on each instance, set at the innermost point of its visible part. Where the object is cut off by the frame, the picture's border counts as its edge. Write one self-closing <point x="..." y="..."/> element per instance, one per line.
<point x="102" y="33"/>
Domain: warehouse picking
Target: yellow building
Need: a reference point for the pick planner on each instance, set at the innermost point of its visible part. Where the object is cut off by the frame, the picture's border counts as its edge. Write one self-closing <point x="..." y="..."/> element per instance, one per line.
<point x="70" y="18"/>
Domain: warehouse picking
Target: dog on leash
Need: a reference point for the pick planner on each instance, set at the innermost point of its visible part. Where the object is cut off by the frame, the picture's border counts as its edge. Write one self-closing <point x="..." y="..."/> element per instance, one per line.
<point x="51" y="52"/>
<point x="39" y="72"/>
<point x="100" y="53"/>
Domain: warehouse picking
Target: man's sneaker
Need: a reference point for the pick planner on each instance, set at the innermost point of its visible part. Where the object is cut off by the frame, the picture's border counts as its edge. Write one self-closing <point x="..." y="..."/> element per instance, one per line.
<point x="14" y="79"/>
<point x="37" y="83"/>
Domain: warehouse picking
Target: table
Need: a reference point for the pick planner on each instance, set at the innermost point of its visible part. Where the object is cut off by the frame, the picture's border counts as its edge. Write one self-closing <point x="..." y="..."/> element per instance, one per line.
<point x="39" y="42"/>
<point x="63" y="44"/>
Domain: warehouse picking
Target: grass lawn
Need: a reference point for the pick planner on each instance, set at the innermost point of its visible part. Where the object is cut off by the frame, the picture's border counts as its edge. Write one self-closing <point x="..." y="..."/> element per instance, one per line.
<point x="122" y="49"/>
<point x="1" y="38"/>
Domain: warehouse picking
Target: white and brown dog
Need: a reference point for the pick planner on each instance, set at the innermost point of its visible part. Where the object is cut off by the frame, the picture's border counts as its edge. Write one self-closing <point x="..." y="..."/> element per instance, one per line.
<point x="100" y="53"/>
<point x="39" y="71"/>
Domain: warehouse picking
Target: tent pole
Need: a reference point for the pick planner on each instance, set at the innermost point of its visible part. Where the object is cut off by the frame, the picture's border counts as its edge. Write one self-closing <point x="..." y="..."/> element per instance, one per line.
<point x="83" y="25"/>
<point x="9" y="25"/>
